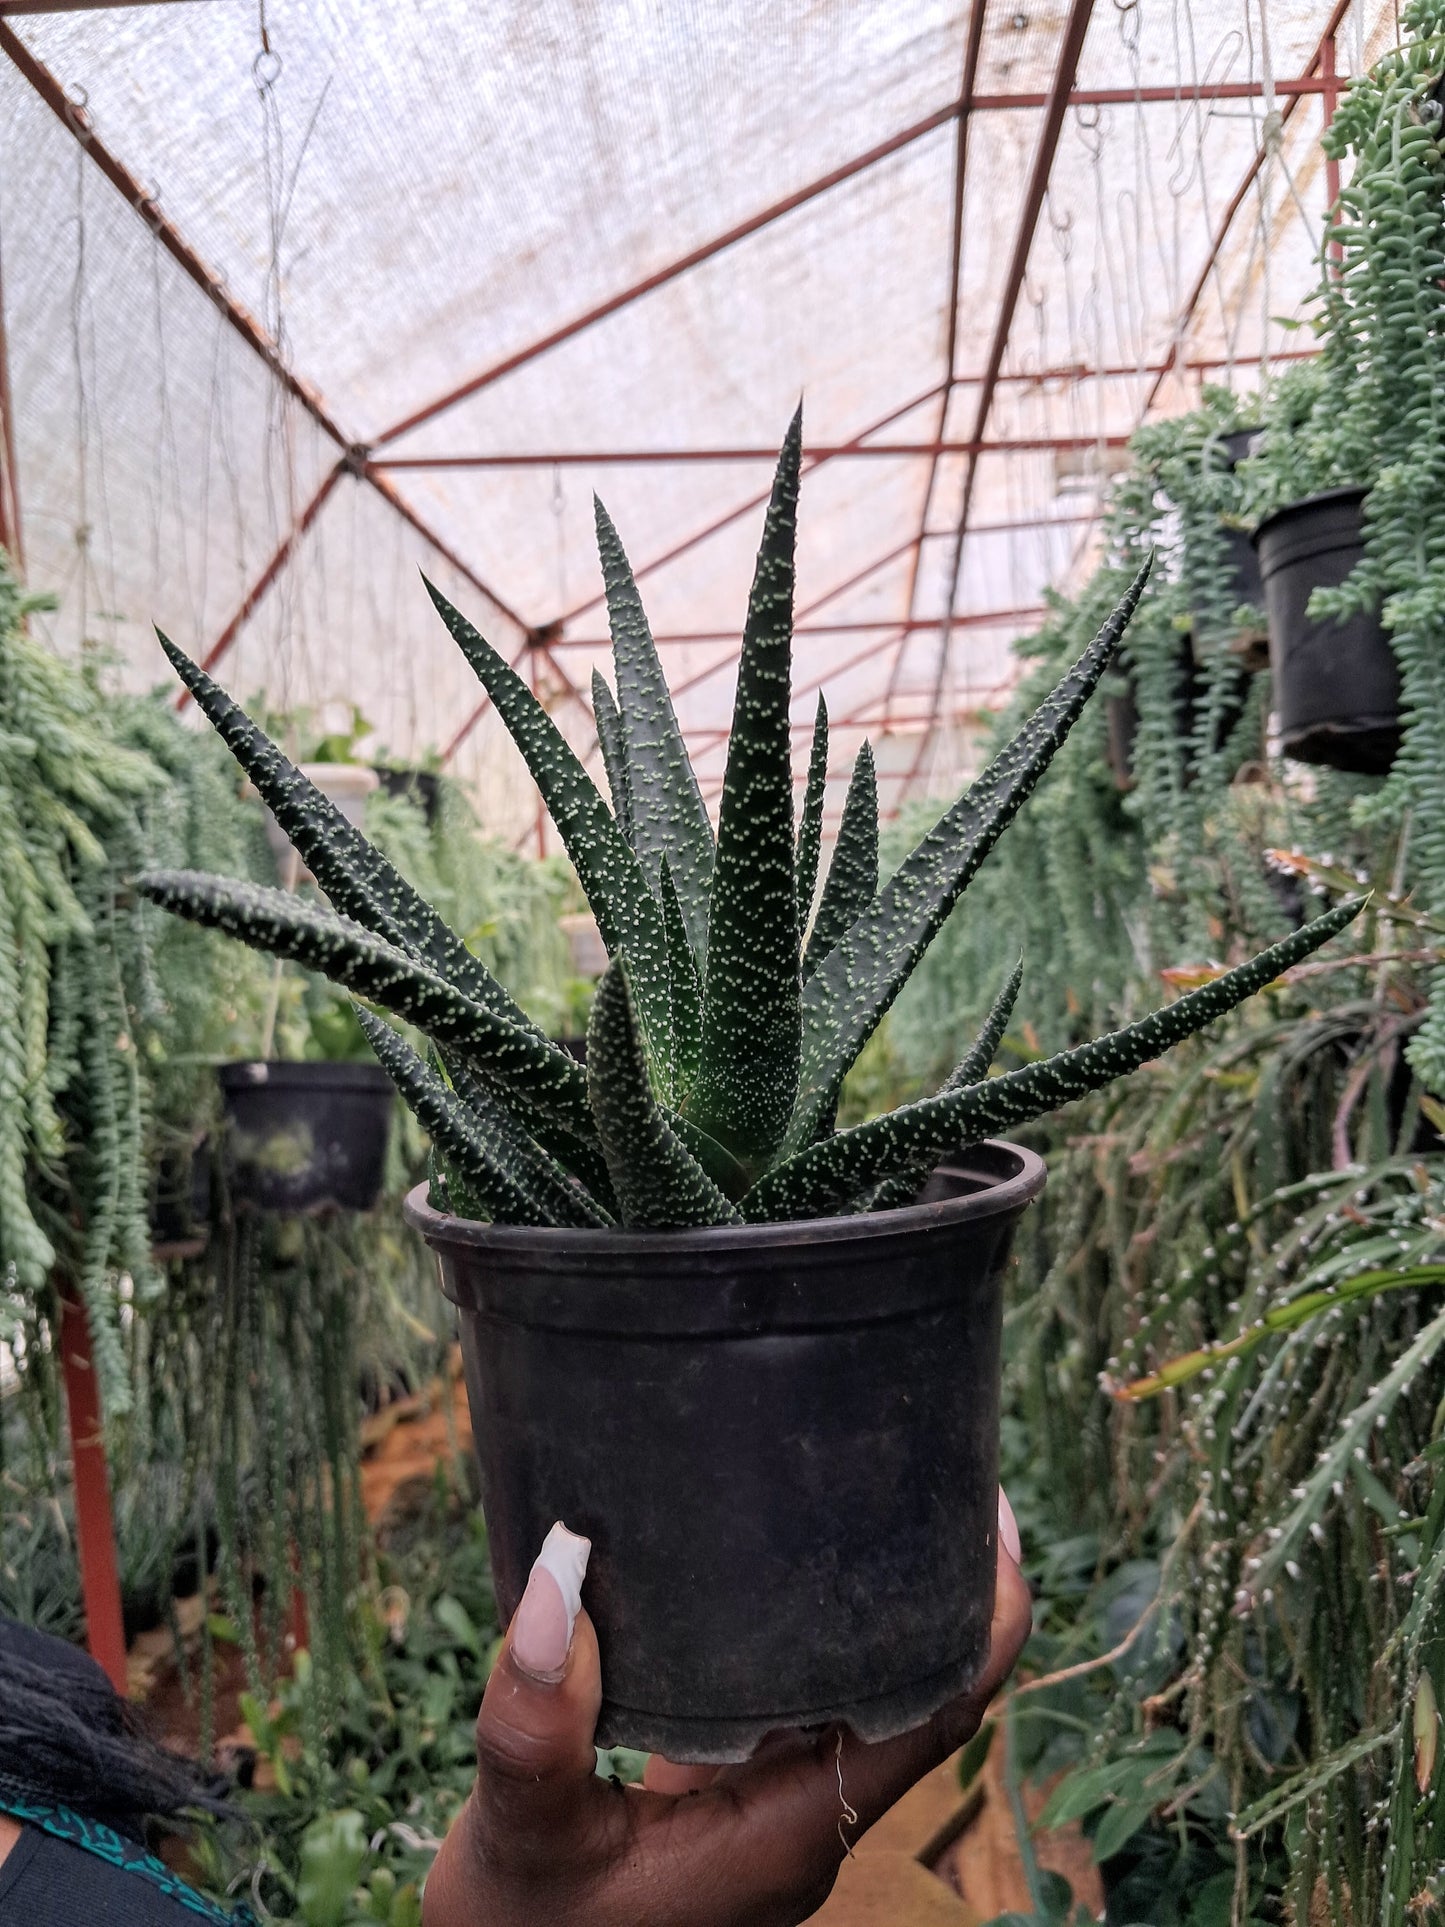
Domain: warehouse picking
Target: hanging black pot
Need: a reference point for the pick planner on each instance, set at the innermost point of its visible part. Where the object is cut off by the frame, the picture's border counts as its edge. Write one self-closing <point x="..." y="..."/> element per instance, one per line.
<point x="1336" y="684"/>
<point x="420" y="786"/>
<point x="1242" y="583"/>
<point x="782" y="1441"/>
<point x="1121" y="713"/>
<point x="306" y="1137"/>
<point x="180" y="1208"/>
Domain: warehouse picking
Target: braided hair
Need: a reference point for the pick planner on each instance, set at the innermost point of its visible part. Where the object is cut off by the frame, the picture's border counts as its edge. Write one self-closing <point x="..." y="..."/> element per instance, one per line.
<point x="68" y="1738"/>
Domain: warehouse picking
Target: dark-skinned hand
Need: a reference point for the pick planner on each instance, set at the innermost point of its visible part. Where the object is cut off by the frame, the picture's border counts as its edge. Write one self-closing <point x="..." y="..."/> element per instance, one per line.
<point x="544" y="1842"/>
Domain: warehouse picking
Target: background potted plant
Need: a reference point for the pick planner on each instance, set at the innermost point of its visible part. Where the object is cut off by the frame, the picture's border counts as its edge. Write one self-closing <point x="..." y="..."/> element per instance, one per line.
<point x="699" y="1322"/>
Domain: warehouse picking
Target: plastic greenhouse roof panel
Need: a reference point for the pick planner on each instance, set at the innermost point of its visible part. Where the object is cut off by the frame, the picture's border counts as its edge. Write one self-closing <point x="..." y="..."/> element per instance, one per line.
<point x="641" y="231"/>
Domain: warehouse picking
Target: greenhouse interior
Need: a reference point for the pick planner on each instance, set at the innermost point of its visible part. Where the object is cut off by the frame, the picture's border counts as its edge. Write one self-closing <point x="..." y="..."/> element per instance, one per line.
<point x="722" y="963"/>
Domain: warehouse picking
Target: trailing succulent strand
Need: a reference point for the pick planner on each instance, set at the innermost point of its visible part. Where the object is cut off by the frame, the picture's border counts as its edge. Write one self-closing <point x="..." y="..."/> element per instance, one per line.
<point x="719" y="1041"/>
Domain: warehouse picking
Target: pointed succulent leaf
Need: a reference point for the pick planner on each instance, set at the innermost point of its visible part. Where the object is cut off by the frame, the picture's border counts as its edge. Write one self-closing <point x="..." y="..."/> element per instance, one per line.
<point x="353" y="873"/>
<point x="304" y="933"/>
<point x="842" y="1168"/>
<point x="970" y="1069"/>
<point x="627" y="912"/>
<point x="748" y="1066"/>
<point x="810" y="830"/>
<point x="614" y="753"/>
<point x="572" y="1156"/>
<point x="659" y="1183"/>
<point x="686" y="990"/>
<point x="857" y="982"/>
<point x="491" y="1177"/>
<point x="852" y="880"/>
<point x="669" y="816"/>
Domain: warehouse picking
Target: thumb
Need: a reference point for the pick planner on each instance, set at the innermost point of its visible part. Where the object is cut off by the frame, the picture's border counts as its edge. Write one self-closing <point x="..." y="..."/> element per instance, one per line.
<point x="535" y="1756"/>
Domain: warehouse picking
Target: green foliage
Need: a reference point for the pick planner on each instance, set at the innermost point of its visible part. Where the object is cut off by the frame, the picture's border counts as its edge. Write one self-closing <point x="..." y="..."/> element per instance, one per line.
<point x="347" y="1831"/>
<point x="1383" y="323"/>
<point x="752" y="1125"/>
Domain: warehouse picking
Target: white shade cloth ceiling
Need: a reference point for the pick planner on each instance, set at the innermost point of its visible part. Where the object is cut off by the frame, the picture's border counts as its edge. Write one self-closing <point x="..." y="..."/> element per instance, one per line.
<point x="411" y="199"/>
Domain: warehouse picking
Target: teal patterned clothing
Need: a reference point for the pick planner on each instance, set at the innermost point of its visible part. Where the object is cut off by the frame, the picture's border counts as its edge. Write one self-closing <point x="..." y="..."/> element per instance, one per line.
<point x="70" y="1871"/>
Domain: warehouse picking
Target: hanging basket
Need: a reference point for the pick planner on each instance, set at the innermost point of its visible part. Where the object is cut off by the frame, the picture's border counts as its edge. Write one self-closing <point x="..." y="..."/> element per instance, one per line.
<point x="180" y="1207"/>
<point x="1336" y="684"/>
<point x="307" y="1137"/>
<point x="420" y="786"/>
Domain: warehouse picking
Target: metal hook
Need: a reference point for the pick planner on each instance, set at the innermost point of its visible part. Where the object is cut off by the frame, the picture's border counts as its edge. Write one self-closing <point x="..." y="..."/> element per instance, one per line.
<point x="266" y="70"/>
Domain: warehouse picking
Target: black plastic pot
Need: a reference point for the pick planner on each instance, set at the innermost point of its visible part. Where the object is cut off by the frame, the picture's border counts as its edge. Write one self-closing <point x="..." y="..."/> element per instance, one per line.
<point x="1336" y="685"/>
<point x="180" y="1208"/>
<point x="1240" y="564"/>
<point x="420" y="786"/>
<point x="782" y="1441"/>
<point x="1121" y="713"/>
<point x="306" y="1137"/>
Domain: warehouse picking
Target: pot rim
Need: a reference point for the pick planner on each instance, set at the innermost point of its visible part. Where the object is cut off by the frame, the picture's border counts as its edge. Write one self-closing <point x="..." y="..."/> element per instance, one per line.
<point x="354" y="1076"/>
<point x="1003" y="1194"/>
<point x="1356" y="491"/>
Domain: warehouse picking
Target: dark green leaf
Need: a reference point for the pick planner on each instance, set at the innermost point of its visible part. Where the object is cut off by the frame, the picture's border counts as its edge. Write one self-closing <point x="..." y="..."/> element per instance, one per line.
<point x="553" y="1163"/>
<point x="659" y="1183"/>
<point x="581" y="1157"/>
<point x="855" y="985"/>
<point x="614" y="753"/>
<point x="353" y="873"/>
<point x="810" y="830"/>
<point x="627" y="913"/>
<point x="748" y="1065"/>
<point x="686" y="990"/>
<point x="970" y="1068"/>
<point x="668" y="814"/>
<point x="304" y="933"/>
<point x="452" y="1127"/>
<point x="853" y="873"/>
<point x="842" y="1167"/>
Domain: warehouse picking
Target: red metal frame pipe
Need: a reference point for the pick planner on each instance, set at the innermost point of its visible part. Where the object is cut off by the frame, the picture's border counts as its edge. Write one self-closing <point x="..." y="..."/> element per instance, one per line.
<point x="94" y="1526"/>
<point x="854" y="451"/>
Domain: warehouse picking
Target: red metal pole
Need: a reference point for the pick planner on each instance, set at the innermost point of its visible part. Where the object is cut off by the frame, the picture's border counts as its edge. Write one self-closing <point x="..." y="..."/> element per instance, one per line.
<point x="851" y="451"/>
<point x="1072" y="46"/>
<point x="1329" y="54"/>
<point x="11" y="535"/>
<point x="94" y="1528"/>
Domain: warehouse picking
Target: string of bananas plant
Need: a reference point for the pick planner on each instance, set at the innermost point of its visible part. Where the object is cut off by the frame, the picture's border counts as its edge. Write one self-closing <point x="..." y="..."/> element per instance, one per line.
<point x="721" y="1033"/>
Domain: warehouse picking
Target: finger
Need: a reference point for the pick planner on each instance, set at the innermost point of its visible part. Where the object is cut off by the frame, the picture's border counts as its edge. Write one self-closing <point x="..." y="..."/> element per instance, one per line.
<point x="535" y="1756"/>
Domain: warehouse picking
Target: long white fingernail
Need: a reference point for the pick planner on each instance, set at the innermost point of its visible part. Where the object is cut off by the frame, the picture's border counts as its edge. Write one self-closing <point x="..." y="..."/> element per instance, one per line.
<point x="544" y="1622"/>
<point x="1008" y="1528"/>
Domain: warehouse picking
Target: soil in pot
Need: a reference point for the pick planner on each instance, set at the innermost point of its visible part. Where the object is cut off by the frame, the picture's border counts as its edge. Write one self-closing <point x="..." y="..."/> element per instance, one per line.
<point x="782" y="1441"/>
<point x="1336" y="685"/>
<point x="306" y="1137"/>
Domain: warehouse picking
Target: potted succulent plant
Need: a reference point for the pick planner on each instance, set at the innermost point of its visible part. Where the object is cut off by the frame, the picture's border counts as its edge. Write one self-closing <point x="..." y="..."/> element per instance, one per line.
<point x="699" y="1323"/>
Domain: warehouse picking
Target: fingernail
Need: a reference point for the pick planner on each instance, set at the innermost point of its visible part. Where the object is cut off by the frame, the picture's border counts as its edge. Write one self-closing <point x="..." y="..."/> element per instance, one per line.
<point x="1008" y="1528"/>
<point x="542" y="1626"/>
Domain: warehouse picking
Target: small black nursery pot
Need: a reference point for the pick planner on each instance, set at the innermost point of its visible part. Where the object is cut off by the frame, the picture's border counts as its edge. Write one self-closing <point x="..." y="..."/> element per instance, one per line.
<point x="1336" y="684"/>
<point x="782" y="1441"/>
<point x="306" y="1137"/>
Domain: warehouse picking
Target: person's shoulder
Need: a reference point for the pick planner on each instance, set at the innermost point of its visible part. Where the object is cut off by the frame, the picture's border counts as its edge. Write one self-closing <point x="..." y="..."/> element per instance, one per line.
<point x="47" y="1881"/>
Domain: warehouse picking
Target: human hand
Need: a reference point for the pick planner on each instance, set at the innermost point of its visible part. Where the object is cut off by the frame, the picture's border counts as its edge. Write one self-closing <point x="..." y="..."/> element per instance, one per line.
<point x="543" y="1839"/>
